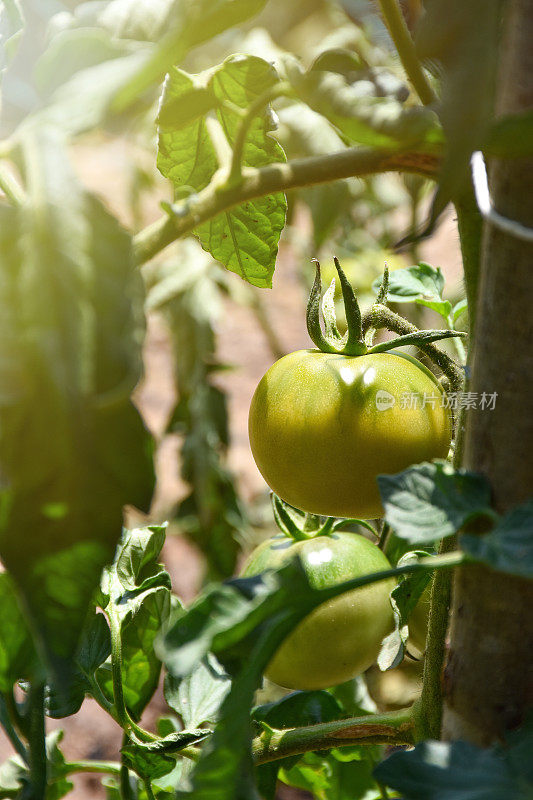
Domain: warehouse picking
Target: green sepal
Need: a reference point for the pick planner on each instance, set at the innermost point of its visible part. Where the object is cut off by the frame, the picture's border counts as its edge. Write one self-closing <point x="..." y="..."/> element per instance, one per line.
<point x="328" y="313"/>
<point x="352" y="343"/>
<point x="416" y="338"/>
<point x="299" y="525"/>
<point x="287" y="522"/>
<point x="312" y="316"/>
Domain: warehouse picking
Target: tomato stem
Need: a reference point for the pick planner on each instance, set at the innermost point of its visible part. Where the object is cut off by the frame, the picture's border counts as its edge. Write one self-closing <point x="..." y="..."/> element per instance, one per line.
<point x="379" y="316"/>
<point x="392" y="728"/>
<point x="216" y="197"/>
<point x="36" y="740"/>
<point x="395" y="22"/>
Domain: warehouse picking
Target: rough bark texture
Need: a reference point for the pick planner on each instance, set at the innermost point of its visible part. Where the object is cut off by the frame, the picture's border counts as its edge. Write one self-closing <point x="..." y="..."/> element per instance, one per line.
<point x="488" y="680"/>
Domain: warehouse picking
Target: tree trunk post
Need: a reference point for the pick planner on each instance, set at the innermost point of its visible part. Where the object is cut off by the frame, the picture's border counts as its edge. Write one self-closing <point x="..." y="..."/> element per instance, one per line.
<point x="488" y="679"/>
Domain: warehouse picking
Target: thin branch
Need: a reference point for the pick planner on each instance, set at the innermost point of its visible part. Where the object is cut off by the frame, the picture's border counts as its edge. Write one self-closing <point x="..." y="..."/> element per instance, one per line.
<point x="394" y="19"/>
<point x="8" y="726"/>
<point x="104" y="767"/>
<point x="391" y="728"/>
<point x="218" y="197"/>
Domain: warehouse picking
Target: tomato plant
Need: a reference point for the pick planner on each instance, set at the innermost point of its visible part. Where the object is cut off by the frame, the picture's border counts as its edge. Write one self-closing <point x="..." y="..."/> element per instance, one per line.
<point x="323" y="426"/>
<point x="341" y="638"/>
<point x="299" y="121"/>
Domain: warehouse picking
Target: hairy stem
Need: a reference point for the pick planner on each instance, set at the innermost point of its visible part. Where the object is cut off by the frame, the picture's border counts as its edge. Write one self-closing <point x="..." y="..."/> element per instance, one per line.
<point x="379" y="316"/>
<point x="116" y="669"/>
<point x="218" y="197"/>
<point x="430" y="718"/>
<point x="36" y="741"/>
<point x="392" y="728"/>
<point x="125" y="785"/>
<point x="395" y="22"/>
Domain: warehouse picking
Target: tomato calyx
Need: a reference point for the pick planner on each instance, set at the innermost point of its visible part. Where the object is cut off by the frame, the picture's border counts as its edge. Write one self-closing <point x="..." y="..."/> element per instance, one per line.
<point x="352" y="343"/>
<point x="299" y="525"/>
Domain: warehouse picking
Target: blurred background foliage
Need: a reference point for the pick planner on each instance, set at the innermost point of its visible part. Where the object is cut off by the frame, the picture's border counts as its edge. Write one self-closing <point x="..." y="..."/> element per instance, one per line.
<point x="359" y="220"/>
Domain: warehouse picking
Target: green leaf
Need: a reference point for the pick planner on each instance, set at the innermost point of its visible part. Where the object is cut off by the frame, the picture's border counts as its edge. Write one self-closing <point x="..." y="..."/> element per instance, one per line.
<point x="192" y="22"/>
<point x="145" y="764"/>
<point x="211" y="515"/>
<point x="510" y="137"/>
<point x="186" y="107"/>
<point x="137" y="567"/>
<point x="70" y="52"/>
<point x="448" y="770"/>
<point x="427" y="502"/>
<point x="338" y="776"/>
<point x="138" y="588"/>
<point x="185" y="153"/>
<point x="418" y="283"/>
<point x="18" y="658"/>
<point x="404" y="598"/>
<point x="309" y="708"/>
<point x="15" y="776"/>
<point x="442" y="307"/>
<point x="174" y="741"/>
<point x="70" y="319"/>
<point x="352" y="103"/>
<point x="245" y="238"/>
<point x="508" y="547"/>
<point x="93" y="650"/>
<point x="354" y="697"/>
<point x="11" y="27"/>
<point x="84" y="101"/>
<point x="142" y="20"/>
<point x="459" y="309"/>
<point x="298" y="709"/>
<point x="198" y="697"/>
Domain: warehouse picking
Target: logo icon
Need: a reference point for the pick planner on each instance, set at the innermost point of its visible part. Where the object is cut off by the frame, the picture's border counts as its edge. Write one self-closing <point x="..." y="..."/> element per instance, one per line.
<point x="384" y="400"/>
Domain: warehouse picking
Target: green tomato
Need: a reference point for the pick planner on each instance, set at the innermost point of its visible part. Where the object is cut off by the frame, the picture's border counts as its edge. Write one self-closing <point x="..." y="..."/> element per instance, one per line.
<point x="418" y="621"/>
<point x="323" y="426"/>
<point x="341" y="638"/>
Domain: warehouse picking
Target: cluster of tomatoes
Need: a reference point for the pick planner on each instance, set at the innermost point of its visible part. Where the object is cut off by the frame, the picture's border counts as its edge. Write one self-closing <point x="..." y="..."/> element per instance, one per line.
<point x="322" y="427"/>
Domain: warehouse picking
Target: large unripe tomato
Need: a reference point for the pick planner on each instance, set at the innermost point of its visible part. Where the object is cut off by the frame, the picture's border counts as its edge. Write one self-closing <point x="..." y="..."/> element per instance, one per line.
<point x="340" y="638"/>
<point x="323" y="426"/>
